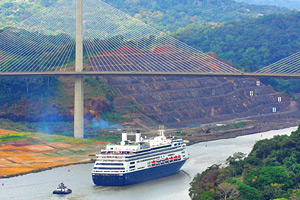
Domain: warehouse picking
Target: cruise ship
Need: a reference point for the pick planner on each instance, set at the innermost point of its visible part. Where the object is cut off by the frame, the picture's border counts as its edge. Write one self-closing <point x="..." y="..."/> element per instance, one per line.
<point x="139" y="161"/>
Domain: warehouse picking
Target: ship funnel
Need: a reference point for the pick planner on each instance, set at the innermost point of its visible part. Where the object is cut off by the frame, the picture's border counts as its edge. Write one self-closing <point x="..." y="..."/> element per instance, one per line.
<point x="138" y="136"/>
<point x="124" y="137"/>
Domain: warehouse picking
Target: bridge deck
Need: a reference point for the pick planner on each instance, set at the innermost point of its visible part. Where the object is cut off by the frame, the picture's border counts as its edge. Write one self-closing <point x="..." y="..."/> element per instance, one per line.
<point x="133" y="73"/>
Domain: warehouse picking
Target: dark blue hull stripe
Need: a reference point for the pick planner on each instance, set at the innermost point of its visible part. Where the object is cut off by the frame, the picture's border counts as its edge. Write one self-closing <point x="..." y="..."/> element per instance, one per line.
<point x="138" y="176"/>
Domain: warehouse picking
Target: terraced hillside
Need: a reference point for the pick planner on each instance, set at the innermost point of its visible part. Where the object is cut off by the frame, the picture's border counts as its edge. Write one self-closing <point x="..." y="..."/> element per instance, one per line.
<point x="190" y="101"/>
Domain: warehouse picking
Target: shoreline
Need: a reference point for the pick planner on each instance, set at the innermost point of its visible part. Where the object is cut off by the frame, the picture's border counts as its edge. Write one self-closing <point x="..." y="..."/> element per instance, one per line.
<point x="253" y="126"/>
<point x="44" y="169"/>
<point x="257" y="125"/>
<point x="35" y="152"/>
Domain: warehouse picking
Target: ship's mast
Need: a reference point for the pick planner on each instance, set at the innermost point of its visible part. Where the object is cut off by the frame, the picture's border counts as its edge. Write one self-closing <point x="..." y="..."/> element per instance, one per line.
<point x="161" y="130"/>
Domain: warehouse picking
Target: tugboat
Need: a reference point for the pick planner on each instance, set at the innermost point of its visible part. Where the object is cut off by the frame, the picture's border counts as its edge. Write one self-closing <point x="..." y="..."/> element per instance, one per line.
<point x="62" y="189"/>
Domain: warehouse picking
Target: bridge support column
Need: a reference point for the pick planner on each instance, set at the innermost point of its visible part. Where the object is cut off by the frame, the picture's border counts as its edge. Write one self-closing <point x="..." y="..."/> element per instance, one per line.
<point x="78" y="108"/>
<point x="78" y="95"/>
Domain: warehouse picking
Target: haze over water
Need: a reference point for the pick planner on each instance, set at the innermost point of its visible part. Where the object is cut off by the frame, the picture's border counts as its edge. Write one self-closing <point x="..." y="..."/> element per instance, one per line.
<point x="78" y="177"/>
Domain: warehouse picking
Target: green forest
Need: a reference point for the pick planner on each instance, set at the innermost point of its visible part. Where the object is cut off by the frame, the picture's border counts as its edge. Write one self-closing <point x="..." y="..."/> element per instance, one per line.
<point x="166" y="15"/>
<point x="250" y="44"/>
<point x="12" y="11"/>
<point x="292" y="4"/>
<point x="270" y="171"/>
<point x="169" y="15"/>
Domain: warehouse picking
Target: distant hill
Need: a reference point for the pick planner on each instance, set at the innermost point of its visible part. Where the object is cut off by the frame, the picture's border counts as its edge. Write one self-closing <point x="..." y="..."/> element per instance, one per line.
<point x="249" y="44"/>
<point x="162" y="14"/>
<point x="172" y="14"/>
<point x="291" y="4"/>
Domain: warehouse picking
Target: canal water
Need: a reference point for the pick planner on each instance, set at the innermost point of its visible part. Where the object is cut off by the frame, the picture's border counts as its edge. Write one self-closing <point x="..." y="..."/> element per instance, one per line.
<point x="78" y="177"/>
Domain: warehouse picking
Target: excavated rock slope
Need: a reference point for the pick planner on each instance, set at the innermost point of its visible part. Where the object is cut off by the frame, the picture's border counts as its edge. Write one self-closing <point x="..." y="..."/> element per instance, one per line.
<point x="191" y="101"/>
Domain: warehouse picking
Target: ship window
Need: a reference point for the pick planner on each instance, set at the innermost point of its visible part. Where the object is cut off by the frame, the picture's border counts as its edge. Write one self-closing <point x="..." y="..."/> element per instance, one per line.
<point x="132" y="163"/>
<point x="109" y="164"/>
<point x="108" y="168"/>
<point x="132" y="166"/>
<point x="152" y="154"/>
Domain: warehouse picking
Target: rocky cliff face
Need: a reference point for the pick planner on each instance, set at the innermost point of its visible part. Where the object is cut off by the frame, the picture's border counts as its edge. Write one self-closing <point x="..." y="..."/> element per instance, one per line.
<point x="190" y="101"/>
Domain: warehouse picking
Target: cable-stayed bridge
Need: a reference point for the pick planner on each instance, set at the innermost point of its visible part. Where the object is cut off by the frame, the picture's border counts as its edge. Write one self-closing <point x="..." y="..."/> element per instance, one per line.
<point x="113" y="43"/>
<point x="106" y="41"/>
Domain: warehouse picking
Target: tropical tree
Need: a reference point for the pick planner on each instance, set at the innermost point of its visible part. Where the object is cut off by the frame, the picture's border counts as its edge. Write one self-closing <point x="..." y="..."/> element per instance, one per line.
<point x="227" y="191"/>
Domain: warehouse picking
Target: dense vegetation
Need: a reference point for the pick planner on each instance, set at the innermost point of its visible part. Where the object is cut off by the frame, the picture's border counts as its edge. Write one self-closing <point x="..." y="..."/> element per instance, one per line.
<point x="20" y="88"/>
<point x="12" y="11"/>
<point x="172" y="14"/>
<point x="250" y="44"/>
<point x="162" y="14"/>
<point x="270" y="171"/>
<point x="292" y="4"/>
<point x="42" y="138"/>
<point x="45" y="105"/>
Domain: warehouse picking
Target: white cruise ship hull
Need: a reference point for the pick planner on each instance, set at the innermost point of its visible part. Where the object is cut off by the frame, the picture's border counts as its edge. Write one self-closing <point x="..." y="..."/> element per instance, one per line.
<point x="137" y="176"/>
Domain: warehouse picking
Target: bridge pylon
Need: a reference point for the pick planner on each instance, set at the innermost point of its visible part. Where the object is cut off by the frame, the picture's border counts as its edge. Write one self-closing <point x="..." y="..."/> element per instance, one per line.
<point x="78" y="94"/>
<point x="78" y="108"/>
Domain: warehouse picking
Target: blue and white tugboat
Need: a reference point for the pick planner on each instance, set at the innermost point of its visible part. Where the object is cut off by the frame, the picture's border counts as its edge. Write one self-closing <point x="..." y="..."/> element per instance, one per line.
<point x="139" y="161"/>
<point x="62" y="189"/>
